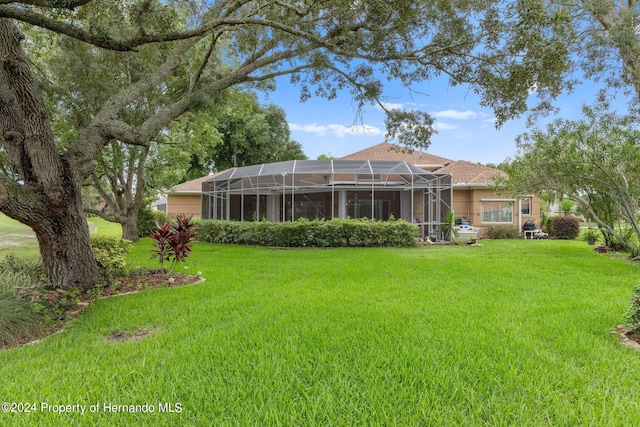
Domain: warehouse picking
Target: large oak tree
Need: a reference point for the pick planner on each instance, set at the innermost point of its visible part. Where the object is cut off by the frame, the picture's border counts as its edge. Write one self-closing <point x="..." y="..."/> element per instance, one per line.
<point x="500" y="49"/>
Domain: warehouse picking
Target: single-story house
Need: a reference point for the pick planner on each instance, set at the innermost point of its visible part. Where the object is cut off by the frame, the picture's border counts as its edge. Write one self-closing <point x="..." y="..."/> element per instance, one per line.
<point x="474" y="195"/>
<point x="186" y="198"/>
<point x="378" y="182"/>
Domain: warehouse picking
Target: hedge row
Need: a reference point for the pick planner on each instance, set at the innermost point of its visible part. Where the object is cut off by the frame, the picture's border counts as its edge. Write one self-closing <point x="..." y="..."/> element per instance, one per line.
<point x="305" y="233"/>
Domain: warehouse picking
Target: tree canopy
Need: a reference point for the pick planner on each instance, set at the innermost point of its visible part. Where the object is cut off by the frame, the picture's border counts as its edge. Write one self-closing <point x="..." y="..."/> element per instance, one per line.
<point x="607" y="41"/>
<point x="192" y="52"/>
<point x="594" y="161"/>
<point x="249" y="134"/>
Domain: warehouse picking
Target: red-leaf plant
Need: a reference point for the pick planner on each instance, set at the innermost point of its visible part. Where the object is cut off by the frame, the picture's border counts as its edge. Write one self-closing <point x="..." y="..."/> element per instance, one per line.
<point x="172" y="242"/>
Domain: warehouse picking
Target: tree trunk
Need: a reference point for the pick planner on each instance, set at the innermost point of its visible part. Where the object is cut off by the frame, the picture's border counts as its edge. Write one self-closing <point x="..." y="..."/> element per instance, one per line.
<point x="62" y="233"/>
<point x="130" y="228"/>
<point x="47" y="195"/>
<point x="66" y="250"/>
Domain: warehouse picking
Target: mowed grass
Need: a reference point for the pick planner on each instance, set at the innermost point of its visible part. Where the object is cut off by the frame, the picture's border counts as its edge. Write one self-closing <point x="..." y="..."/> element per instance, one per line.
<point x="19" y="240"/>
<point x="511" y="333"/>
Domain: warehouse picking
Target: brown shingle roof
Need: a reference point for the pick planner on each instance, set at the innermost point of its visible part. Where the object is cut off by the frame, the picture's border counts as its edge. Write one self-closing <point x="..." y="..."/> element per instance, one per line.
<point x="193" y="186"/>
<point x="386" y="151"/>
<point x="464" y="172"/>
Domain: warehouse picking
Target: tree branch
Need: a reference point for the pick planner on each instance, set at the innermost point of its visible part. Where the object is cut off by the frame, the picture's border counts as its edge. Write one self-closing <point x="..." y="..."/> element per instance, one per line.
<point x="68" y="4"/>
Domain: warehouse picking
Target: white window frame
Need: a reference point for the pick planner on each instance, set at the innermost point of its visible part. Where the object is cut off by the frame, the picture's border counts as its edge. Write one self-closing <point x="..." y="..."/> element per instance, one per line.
<point x="482" y="210"/>
<point x="530" y="200"/>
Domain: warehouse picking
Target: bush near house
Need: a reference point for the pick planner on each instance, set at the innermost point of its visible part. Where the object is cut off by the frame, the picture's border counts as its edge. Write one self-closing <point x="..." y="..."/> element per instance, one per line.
<point x="546" y="224"/>
<point x="503" y="232"/>
<point x="316" y="233"/>
<point x="566" y="227"/>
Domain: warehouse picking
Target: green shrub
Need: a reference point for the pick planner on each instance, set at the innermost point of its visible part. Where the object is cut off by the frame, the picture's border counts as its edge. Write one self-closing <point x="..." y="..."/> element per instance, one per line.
<point x="546" y="224"/>
<point x="503" y="232"/>
<point x="148" y="220"/>
<point x="19" y="273"/>
<point x="17" y="320"/>
<point x="32" y="269"/>
<point x="315" y="233"/>
<point x="591" y="235"/>
<point x="11" y="282"/>
<point x="25" y="304"/>
<point x="566" y="227"/>
<point x="110" y="254"/>
<point x="634" y="312"/>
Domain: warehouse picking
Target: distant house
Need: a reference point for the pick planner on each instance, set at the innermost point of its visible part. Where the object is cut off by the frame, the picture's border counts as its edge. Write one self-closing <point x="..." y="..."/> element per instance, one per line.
<point x="186" y="198"/>
<point x="376" y="182"/>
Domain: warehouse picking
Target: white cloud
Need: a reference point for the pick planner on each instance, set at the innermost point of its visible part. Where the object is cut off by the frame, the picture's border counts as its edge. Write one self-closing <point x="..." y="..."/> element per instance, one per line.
<point x="455" y="114"/>
<point x="391" y="106"/>
<point x="337" y="130"/>
<point x="310" y="128"/>
<point x="444" y="126"/>
<point x="364" y="130"/>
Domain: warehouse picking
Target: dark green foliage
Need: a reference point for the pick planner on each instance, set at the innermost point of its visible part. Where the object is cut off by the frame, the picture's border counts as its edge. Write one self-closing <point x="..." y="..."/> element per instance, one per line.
<point x="591" y="235"/>
<point x="449" y="225"/>
<point x="110" y="254"/>
<point x="620" y="242"/>
<point x="17" y="320"/>
<point x="316" y="233"/>
<point x="566" y="227"/>
<point x="546" y="224"/>
<point x="634" y="312"/>
<point x="31" y="269"/>
<point x="148" y="221"/>
<point x="25" y="305"/>
<point x="503" y="232"/>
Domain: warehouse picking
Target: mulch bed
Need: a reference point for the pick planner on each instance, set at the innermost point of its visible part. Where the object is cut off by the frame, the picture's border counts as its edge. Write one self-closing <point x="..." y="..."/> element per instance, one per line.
<point x="141" y="281"/>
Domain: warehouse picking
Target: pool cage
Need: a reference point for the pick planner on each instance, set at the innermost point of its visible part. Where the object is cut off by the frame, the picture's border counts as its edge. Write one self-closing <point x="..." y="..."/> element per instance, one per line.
<point x="328" y="189"/>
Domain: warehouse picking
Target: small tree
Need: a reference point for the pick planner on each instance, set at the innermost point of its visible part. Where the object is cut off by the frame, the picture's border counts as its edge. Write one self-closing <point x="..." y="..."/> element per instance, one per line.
<point x="172" y="241"/>
<point x="566" y="207"/>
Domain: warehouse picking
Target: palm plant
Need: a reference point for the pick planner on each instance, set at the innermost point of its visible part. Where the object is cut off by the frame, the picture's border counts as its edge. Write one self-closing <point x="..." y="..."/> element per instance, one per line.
<point x="449" y="225"/>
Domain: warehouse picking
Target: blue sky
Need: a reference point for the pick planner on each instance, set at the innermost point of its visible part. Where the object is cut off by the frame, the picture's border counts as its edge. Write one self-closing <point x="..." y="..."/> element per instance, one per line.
<point x="466" y="131"/>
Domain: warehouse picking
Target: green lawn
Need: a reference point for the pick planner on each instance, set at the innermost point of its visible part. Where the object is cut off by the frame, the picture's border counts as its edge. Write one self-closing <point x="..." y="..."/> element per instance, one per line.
<point x="18" y="239"/>
<point x="512" y="333"/>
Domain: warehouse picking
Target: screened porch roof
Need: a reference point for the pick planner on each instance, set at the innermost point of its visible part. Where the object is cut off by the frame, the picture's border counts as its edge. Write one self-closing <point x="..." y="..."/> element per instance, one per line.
<point x="322" y="173"/>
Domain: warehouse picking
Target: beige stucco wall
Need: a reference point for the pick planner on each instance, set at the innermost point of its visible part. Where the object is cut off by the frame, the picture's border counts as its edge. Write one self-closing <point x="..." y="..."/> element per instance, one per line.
<point x="467" y="204"/>
<point x="189" y="204"/>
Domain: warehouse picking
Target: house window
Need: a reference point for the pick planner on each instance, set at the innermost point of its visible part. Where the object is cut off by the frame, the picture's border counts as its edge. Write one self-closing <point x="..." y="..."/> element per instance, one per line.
<point x="497" y="211"/>
<point x="526" y="206"/>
